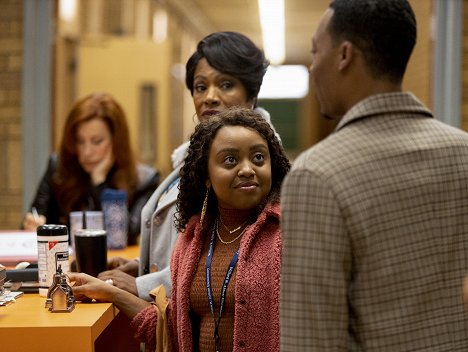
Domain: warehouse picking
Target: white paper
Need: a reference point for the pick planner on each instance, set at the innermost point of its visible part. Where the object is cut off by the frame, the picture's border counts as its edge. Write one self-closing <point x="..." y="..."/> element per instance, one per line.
<point x="17" y="246"/>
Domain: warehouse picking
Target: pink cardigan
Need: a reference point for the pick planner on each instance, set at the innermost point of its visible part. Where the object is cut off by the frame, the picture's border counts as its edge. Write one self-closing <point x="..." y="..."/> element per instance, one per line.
<point x="256" y="321"/>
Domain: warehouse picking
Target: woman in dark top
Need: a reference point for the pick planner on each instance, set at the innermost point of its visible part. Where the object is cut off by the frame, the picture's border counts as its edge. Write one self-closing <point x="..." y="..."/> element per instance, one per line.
<point x="95" y="153"/>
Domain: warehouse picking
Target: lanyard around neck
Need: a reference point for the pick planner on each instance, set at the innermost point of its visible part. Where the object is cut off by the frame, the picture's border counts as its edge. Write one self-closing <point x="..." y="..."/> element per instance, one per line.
<point x="227" y="278"/>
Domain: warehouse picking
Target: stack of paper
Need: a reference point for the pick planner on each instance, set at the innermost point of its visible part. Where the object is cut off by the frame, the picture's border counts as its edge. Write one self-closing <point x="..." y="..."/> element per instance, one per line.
<point x="9" y="297"/>
<point x="17" y="246"/>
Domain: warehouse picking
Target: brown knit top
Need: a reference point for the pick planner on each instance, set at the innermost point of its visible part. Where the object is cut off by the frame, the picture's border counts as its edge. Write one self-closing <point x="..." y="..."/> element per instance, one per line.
<point x="221" y="258"/>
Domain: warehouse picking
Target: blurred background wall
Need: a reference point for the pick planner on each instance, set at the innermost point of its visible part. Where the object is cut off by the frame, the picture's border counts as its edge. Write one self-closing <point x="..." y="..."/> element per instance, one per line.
<point x="136" y="50"/>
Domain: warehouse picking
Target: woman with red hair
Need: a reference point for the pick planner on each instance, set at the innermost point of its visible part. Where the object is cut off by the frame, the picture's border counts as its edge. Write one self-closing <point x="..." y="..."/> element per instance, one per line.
<point x="95" y="153"/>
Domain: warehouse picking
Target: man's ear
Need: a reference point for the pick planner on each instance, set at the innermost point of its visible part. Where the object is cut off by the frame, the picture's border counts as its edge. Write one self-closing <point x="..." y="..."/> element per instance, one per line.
<point x="347" y="52"/>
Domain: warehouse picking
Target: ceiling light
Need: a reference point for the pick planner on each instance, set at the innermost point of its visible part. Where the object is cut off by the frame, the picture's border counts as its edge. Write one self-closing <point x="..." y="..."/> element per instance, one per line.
<point x="285" y="82"/>
<point x="67" y="10"/>
<point x="160" y="26"/>
<point x="272" y="23"/>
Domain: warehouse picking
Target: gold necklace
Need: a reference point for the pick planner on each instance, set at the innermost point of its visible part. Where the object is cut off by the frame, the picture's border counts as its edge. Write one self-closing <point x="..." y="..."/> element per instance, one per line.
<point x="236" y="229"/>
<point x="231" y="241"/>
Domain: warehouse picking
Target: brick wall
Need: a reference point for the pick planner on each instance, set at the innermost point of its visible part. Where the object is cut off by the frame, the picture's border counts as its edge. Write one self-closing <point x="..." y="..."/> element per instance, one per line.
<point x="11" y="55"/>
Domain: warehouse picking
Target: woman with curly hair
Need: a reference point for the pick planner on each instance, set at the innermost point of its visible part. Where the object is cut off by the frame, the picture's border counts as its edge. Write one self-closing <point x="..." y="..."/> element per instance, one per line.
<point x="225" y="267"/>
<point x="226" y="70"/>
<point x="95" y="153"/>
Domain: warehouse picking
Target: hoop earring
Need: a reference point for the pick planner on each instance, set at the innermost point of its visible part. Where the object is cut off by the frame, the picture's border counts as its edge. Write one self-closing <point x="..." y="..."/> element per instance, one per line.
<point x="205" y="204"/>
<point x="195" y="118"/>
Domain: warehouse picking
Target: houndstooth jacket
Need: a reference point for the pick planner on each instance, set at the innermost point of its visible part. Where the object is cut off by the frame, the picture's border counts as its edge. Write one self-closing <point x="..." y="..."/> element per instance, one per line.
<point x="375" y="226"/>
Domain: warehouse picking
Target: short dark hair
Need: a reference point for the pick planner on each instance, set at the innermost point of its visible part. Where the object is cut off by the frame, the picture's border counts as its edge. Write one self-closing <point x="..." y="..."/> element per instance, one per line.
<point x="231" y="53"/>
<point x="194" y="173"/>
<point x="384" y="30"/>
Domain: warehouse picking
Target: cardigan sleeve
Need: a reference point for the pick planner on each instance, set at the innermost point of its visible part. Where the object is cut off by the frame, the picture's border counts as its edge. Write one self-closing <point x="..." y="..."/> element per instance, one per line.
<point x="144" y="327"/>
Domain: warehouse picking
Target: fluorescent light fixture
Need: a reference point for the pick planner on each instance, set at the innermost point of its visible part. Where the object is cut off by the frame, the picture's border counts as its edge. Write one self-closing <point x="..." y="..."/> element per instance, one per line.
<point x="160" y="26"/>
<point x="67" y="10"/>
<point x="272" y="22"/>
<point x="285" y="82"/>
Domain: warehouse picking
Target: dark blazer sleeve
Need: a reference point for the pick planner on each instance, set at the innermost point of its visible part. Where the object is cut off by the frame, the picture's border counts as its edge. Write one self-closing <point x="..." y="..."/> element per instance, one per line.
<point x="45" y="201"/>
<point x="148" y="181"/>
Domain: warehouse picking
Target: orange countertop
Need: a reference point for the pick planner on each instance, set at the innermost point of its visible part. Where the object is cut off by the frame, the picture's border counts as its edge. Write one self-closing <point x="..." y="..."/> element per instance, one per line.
<point x="27" y="325"/>
<point x="130" y="252"/>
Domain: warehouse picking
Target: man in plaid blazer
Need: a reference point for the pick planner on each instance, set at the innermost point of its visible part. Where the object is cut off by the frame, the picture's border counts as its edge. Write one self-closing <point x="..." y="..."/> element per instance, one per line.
<point x="375" y="217"/>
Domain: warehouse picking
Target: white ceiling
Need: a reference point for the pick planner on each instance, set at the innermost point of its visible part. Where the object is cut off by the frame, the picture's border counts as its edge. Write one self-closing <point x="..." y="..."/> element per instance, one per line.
<point x="301" y="20"/>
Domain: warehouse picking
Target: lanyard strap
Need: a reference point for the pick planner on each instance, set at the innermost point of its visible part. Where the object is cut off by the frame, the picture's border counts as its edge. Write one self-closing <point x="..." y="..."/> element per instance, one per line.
<point x="227" y="278"/>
